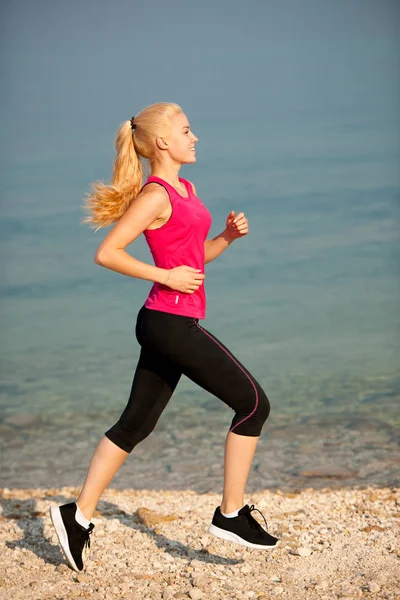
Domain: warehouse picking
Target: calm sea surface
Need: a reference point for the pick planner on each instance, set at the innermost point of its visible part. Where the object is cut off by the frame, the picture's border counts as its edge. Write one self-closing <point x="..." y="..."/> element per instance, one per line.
<point x="309" y="301"/>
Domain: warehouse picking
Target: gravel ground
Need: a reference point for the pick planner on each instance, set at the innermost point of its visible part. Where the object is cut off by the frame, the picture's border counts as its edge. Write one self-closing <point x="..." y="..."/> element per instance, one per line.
<point x="335" y="543"/>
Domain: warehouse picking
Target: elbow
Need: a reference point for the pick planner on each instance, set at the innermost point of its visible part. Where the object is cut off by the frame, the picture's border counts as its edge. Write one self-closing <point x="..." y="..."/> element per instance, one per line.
<point x="106" y="257"/>
<point x="100" y="258"/>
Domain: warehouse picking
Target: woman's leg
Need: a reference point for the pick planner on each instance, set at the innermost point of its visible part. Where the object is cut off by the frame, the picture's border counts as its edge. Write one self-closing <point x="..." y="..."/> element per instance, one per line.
<point x="153" y="385"/>
<point x="219" y="372"/>
<point x="207" y="362"/>
<point x="105" y="463"/>
<point x="245" y="395"/>
<point x="236" y="387"/>
<point x="239" y="452"/>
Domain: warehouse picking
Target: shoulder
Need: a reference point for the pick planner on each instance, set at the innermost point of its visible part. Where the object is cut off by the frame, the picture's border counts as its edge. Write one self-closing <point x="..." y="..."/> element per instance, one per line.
<point x="154" y="193"/>
<point x="152" y="201"/>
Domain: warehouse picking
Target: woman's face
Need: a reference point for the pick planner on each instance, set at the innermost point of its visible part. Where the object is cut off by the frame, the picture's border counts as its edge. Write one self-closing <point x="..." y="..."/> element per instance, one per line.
<point x="181" y="140"/>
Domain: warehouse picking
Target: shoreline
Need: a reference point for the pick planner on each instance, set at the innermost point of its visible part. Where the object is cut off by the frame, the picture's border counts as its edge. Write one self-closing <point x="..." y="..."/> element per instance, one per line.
<point x="335" y="543"/>
<point x="293" y="452"/>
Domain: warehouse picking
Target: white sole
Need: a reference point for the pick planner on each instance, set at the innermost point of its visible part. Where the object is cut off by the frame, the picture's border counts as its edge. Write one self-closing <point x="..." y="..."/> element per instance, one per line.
<point x="58" y="523"/>
<point x="232" y="537"/>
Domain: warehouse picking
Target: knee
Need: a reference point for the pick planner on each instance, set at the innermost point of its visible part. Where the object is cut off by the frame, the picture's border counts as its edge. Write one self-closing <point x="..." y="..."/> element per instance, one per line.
<point x="260" y="414"/>
<point x="263" y="407"/>
<point x="127" y="439"/>
<point x="250" y="422"/>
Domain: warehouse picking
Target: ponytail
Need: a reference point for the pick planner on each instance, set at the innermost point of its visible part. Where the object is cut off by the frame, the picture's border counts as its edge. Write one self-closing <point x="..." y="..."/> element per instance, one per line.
<point x="135" y="141"/>
<point x="107" y="203"/>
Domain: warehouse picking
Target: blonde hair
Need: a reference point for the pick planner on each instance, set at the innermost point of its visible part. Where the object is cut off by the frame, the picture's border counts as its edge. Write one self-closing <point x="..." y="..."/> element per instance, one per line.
<point x="107" y="203"/>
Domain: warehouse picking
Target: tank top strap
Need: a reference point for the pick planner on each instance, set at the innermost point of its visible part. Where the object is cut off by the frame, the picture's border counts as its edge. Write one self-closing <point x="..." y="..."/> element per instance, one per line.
<point x="187" y="185"/>
<point x="168" y="188"/>
<point x="172" y="193"/>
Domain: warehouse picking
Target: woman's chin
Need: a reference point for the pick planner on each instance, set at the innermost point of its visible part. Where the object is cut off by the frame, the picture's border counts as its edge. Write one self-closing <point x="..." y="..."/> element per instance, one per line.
<point x="190" y="160"/>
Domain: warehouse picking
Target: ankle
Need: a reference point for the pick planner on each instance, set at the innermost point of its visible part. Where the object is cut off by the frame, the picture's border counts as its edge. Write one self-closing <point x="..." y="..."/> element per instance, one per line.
<point x="230" y="506"/>
<point x="86" y="511"/>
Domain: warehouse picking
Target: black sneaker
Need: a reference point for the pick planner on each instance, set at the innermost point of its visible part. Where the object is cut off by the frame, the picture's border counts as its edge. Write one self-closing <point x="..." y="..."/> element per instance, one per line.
<point x="243" y="529"/>
<point x="72" y="537"/>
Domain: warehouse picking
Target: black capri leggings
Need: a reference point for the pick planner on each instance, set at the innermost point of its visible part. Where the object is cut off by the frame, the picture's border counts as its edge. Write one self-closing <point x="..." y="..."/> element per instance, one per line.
<point x="173" y="345"/>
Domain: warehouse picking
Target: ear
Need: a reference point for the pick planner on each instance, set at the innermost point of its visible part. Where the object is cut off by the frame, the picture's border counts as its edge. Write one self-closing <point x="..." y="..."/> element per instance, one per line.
<point x="161" y="143"/>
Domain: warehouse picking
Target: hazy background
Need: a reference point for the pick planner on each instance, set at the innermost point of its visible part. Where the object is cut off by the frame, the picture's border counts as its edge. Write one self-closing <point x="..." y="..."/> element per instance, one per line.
<point x="79" y="68"/>
<point x="296" y="106"/>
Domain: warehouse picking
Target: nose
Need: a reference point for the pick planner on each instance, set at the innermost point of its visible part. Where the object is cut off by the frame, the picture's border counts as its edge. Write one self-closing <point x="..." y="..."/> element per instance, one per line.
<point x="195" y="138"/>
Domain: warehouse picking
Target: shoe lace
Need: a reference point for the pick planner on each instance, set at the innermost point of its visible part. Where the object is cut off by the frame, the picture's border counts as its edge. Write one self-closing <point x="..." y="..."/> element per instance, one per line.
<point x="253" y="522"/>
<point x="88" y="531"/>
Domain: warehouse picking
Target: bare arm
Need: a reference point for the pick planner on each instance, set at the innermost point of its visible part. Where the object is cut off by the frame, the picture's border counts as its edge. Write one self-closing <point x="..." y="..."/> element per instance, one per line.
<point x="236" y="227"/>
<point x="150" y="206"/>
<point x="144" y="210"/>
<point x="216" y="246"/>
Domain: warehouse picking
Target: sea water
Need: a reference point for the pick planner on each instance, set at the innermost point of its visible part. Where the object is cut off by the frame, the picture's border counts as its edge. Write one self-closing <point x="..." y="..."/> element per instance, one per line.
<point x="308" y="301"/>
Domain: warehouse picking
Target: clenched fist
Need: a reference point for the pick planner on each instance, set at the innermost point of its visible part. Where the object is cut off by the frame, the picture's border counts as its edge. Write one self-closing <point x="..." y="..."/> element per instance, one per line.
<point x="236" y="226"/>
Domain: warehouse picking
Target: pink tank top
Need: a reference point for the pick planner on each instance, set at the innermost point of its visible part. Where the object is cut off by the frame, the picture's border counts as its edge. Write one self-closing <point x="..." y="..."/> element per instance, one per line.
<point x="180" y="241"/>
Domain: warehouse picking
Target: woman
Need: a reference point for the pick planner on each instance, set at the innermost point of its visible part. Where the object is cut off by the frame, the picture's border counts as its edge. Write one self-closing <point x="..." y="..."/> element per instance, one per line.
<point x="175" y="223"/>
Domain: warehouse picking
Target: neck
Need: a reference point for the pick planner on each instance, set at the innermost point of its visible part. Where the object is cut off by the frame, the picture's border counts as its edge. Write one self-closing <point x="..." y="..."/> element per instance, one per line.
<point x="169" y="173"/>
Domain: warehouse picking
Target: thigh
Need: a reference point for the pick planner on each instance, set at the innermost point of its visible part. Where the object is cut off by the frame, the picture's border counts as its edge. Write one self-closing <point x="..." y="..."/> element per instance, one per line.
<point x="217" y="370"/>
<point x="202" y="358"/>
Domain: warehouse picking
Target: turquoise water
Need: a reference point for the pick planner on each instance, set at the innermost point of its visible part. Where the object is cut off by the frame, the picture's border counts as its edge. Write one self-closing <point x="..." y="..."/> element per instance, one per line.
<point x="309" y="301"/>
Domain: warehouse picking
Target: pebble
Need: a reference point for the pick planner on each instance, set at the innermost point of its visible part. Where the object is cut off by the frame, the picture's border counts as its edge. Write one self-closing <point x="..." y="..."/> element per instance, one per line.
<point x="328" y="471"/>
<point x="126" y="586"/>
<point x="171" y="564"/>
<point x="22" y="420"/>
<point x="151" y="517"/>
<point x="302" y="551"/>
<point x="6" y="432"/>
<point x="200" y="580"/>
<point x="278" y="590"/>
<point x="168" y="558"/>
<point x="206" y="540"/>
<point x="318" y="547"/>
<point x="347" y="592"/>
<point x="373" y="587"/>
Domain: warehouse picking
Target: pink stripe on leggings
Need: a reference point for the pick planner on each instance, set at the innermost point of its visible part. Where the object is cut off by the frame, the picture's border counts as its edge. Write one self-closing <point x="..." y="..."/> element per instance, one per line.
<point x="243" y="371"/>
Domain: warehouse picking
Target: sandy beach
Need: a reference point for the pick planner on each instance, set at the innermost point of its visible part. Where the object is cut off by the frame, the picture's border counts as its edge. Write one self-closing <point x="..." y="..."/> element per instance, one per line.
<point x="335" y="543"/>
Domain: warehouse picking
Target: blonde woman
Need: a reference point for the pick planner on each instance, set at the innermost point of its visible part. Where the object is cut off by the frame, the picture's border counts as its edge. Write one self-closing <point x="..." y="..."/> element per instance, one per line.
<point x="176" y="224"/>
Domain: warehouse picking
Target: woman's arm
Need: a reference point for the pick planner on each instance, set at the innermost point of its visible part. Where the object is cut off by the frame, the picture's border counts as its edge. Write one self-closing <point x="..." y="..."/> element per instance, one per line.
<point x="216" y="246"/>
<point x="236" y="227"/>
<point x="151" y="205"/>
<point x="144" y="210"/>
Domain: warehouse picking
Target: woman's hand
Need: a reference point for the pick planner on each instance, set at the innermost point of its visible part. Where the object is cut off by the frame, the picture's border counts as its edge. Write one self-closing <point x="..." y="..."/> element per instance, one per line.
<point x="236" y="226"/>
<point x="184" y="279"/>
